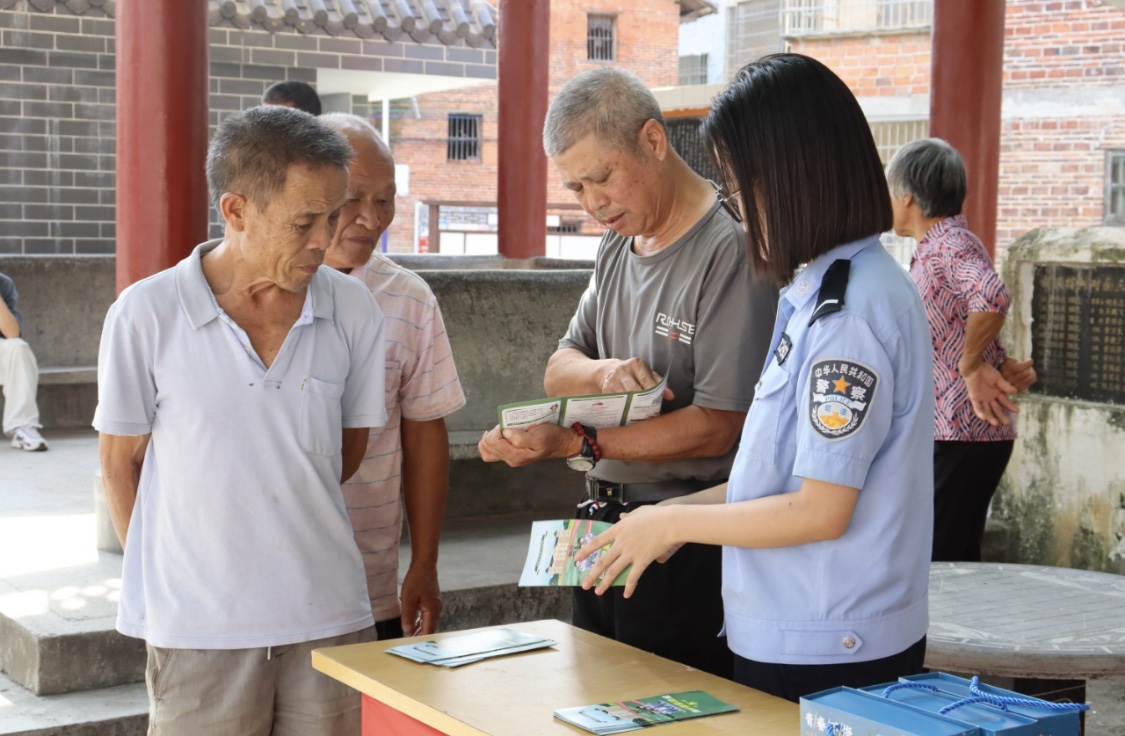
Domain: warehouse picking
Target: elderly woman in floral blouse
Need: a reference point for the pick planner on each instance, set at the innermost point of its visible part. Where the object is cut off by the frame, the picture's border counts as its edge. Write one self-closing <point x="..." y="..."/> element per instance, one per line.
<point x="973" y="376"/>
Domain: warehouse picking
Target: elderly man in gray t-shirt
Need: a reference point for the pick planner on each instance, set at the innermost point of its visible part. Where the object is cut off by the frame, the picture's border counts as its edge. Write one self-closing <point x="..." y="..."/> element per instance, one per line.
<point x="672" y="294"/>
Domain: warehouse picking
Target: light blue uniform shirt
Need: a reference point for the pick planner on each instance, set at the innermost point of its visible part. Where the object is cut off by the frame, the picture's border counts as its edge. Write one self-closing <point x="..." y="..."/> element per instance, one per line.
<point x="847" y="400"/>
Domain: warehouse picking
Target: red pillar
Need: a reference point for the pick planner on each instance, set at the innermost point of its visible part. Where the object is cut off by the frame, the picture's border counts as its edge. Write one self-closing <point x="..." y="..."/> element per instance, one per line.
<point x="522" y="50"/>
<point x="162" y="102"/>
<point x="967" y="81"/>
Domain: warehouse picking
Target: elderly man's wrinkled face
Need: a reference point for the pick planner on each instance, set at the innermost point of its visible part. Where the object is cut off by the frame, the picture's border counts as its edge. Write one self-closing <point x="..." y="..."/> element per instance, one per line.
<point x="370" y="207"/>
<point x="287" y="239"/>
<point x="618" y="188"/>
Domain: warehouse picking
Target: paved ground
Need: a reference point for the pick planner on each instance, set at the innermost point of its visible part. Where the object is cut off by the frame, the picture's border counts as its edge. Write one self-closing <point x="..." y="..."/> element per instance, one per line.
<point x="49" y="566"/>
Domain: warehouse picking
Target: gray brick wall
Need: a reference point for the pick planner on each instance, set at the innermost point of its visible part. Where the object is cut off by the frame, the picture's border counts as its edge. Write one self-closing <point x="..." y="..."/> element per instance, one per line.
<point x="56" y="133"/>
<point x="57" y="114"/>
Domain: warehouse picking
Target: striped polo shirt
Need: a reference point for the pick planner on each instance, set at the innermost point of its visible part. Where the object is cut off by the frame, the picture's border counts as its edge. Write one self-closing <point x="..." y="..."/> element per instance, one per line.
<point x="421" y="385"/>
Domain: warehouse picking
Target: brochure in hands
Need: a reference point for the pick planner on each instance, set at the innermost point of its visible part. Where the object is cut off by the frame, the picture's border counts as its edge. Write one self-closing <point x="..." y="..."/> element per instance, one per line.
<point x="458" y="650"/>
<point x="632" y="715"/>
<point x="600" y="410"/>
<point x="551" y="551"/>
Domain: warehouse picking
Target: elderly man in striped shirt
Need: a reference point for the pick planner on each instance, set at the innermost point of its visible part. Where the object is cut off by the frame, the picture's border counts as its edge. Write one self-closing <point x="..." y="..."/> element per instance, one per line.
<point x="407" y="461"/>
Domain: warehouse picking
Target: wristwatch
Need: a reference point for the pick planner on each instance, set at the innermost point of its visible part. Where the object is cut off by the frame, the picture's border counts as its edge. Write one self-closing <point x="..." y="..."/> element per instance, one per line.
<point x="590" y="453"/>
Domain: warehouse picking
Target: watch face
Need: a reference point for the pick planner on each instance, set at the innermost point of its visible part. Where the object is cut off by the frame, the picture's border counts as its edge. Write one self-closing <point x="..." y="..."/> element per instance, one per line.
<point x="579" y="462"/>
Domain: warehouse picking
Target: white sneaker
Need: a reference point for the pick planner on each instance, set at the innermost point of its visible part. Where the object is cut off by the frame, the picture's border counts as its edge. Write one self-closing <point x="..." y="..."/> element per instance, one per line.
<point x="28" y="438"/>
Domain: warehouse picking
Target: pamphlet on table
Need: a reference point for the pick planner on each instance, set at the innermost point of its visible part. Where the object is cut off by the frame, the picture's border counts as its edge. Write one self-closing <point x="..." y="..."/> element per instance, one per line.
<point x="458" y="650"/>
<point x="632" y="715"/>
<point x="551" y="550"/>
<point x="599" y="410"/>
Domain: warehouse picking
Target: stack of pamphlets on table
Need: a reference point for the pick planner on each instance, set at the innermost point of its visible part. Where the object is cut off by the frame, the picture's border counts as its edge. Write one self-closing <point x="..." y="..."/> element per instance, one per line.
<point x="632" y="715"/>
<point x="458" y="650"/>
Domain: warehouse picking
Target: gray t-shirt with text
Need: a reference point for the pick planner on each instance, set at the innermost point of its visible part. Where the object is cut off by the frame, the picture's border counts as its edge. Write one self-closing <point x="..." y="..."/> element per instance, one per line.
<point x="693" y="311"/>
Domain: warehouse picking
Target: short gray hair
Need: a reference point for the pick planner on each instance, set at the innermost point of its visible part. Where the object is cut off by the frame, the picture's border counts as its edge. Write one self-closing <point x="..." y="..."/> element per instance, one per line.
<point x="252" y="151"/>
<point x="612" y="103"/>
<point x="931" y="171"/>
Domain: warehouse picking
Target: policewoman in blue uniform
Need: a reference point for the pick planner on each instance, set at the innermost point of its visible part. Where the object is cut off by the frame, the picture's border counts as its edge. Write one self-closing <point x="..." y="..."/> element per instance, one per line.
<point x="826" y="521"/>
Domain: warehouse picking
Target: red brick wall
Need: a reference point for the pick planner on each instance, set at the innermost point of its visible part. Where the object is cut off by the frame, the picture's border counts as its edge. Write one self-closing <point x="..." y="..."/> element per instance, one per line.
<point x="875" y="66"/>
<point x="647" y="43"/>
<point x="1074" y="42"/>
<point x="1052" y="161"/>
<point x="1052" y="173"/>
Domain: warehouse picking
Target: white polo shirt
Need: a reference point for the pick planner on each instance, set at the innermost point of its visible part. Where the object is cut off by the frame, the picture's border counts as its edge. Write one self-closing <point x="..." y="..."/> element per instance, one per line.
<point x="239" y="537"/>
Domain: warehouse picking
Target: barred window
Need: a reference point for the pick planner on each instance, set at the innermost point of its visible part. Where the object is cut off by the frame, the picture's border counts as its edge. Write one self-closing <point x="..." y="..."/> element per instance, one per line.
<point x="809" y="17"/>
<point x="601" y="45"/>
<point x="753" y="30"/>
<point x="463" y="143"/>
<point x="693" y="69"/>
<point x="1115" y="188"/>
<point x="905" y="13"/>
<point x="891" y="135"/>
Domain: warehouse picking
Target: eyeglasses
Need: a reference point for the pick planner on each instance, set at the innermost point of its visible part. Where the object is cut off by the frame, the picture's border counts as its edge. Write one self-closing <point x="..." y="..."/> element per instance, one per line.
<point x="729" y="203"/>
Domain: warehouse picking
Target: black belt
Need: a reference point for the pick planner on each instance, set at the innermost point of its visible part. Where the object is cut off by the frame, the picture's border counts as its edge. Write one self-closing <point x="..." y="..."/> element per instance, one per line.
<point x="606" y="492"/>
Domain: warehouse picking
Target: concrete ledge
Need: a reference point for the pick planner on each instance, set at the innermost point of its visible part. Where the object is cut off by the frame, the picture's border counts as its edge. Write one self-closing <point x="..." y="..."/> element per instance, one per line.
<point x="1001" y="543"/>
<point x="67" y="397"/>
<point x="65" y="376"/>
<point x="66" y="400"/>
<point x="504" y="604"/>
<point x="439" y="262"/>
<point x="64" y="300"/>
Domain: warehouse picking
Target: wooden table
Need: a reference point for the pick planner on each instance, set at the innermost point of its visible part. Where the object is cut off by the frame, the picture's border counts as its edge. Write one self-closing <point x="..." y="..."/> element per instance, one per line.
<point x="516" y="695"/>
<point x="1048" y="629"/>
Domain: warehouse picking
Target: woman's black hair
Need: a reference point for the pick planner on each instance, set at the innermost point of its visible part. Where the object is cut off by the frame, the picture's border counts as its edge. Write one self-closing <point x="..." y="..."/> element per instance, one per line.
<point x="790" y="137"/>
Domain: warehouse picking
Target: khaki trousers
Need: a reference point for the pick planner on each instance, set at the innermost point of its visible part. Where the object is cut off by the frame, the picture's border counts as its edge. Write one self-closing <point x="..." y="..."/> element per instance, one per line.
<point x="248" y="692"/>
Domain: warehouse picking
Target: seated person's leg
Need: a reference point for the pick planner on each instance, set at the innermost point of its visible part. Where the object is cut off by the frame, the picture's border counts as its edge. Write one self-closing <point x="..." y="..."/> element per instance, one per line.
<point x="19" y="375"/>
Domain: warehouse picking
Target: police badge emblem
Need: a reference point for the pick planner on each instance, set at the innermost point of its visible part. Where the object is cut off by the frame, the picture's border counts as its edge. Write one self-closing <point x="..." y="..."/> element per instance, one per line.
<point x="840" y="394"/>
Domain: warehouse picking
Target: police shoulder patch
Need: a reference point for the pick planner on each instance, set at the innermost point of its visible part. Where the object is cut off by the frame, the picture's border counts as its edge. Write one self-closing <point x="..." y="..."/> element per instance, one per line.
<point x="784" y="346"/>
<point x="840" y="394"/>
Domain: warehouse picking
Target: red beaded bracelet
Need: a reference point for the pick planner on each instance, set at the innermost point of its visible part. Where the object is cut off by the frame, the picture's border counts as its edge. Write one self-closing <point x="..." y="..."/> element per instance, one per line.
<point x="589" y="439"/>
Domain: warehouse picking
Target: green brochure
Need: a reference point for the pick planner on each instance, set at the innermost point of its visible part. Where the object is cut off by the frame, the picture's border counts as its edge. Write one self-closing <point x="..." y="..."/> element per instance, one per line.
<point x="550" y="553"/>
<point x="599" y="410"/>
<point x="632" y="715"/>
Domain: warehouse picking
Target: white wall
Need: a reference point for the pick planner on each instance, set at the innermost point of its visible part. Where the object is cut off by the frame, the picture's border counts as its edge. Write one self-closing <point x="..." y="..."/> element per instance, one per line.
<point x="708" y="35"/>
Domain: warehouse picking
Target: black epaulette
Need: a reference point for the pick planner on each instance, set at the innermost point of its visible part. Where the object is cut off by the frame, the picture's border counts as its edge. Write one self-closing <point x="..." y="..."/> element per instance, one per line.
<point x="832" y="288"/>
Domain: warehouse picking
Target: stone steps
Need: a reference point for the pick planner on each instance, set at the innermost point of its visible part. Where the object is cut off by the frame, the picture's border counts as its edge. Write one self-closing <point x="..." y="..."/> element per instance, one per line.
<point x="115" y="711"/>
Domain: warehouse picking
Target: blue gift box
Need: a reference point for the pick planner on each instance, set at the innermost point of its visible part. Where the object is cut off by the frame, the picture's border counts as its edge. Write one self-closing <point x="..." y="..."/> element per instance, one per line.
<point x="935" y="704"/>
<point x="1050" y="722"/>
<point x="843" y="711"/>
<point x="991" y="721"/>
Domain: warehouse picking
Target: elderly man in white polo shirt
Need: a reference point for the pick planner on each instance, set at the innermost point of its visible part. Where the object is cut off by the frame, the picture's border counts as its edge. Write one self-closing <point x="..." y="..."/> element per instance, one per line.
<point x="234" y="393"/>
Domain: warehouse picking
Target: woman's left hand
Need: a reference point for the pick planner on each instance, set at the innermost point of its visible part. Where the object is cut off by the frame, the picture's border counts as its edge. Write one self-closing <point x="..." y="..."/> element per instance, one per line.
<point x="641" y="536"/>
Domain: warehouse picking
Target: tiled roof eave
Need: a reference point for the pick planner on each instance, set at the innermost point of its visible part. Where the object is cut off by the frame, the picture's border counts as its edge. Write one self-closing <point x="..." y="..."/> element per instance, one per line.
<point x="448" y="22"/>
